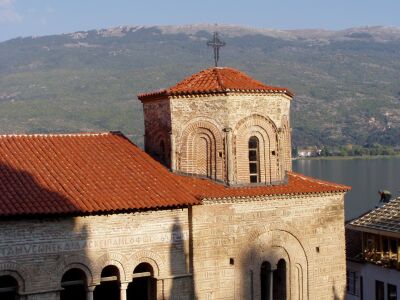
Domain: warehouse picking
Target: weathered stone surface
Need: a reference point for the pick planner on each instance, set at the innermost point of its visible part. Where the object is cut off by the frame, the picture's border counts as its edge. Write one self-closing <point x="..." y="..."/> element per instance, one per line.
<point x="178" y="243"/>
<point x="197" y="125"/>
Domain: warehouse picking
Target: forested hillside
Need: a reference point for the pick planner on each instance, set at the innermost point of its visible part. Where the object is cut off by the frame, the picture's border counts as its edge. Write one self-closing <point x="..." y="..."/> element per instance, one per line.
<point x="347" y="83"/>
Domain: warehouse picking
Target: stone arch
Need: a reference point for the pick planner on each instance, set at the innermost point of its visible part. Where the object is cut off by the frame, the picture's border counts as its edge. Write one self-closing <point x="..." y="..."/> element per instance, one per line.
<point x="266" y="131"/>
<point x="153" y="259"/>
<point x="75" y="261"/>
<point x="201" y="149"/>
<point x="286" y="144"/>
<point x="111" y="259"/>
<point x="161" y="155"/>
<point x="82" y="267"/>
<point x="271" y="245"/>
<point x="12" y="270"/>
<point x="300" y="282"/>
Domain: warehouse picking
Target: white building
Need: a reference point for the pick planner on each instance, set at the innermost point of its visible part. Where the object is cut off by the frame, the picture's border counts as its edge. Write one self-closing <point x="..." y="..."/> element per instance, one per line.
<point x="373" y="254"/>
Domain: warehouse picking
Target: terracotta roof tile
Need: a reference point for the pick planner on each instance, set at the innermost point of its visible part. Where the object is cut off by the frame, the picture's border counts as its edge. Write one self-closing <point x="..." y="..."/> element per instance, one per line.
<point x="297" y="184"/>
<point x="215" y="80"/>
<point x="82" y="173"/>
<point x="105" y="173"/>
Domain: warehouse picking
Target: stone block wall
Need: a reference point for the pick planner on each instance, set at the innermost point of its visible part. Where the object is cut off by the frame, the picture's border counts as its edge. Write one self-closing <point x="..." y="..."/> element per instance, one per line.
<point x="157" y="125"/>
<point x="232" y="240"/>
<point x="37" y="252"/>
<point x="263" y="115"/>
<point x="210" y="251"/>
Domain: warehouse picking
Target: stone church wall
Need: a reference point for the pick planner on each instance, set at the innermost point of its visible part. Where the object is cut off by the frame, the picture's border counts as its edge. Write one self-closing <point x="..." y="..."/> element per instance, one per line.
<point x="157" y="124"/>
<point x="232" y="240"/>
<point x="37" y="252"/>
<point x="245" y="114"/>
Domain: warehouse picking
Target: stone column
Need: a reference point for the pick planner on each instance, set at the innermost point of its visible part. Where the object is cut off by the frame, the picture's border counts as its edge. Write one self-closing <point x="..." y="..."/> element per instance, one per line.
<point x="89" y="292"/>
<point x="271" y="284"/>
<point x="228" y="155"/>
<point x="123" y="288"/>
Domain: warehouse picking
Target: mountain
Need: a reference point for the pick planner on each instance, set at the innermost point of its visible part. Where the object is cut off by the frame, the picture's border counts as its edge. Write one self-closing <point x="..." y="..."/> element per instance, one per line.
<point x="346" y="83"/>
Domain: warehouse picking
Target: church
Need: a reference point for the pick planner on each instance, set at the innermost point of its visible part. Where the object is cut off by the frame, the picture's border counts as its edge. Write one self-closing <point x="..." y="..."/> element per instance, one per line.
<point x="210" y="210"/>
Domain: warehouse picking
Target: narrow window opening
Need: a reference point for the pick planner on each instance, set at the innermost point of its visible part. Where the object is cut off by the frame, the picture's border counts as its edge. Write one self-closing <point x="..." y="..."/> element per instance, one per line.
<point x="279" y="281"/>
<point x="143" y="285"/>
<point x="266" y="281"/>
<point x="379" y="290"/>
<point x="74" y="285"/>
<point x="8" y="288"/>
<point x="392" y="292"/>
<point x="254" y="160"/>
<point x="110" y="284"/>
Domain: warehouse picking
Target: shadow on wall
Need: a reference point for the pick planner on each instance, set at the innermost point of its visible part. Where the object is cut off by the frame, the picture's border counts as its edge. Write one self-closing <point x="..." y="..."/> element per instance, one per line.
<point x="181" y="285"/>
<point x="264" y="278"/>
<point x="43" y="239"/>
<point x="54" y="261"/>
<point x="335" y="293"/>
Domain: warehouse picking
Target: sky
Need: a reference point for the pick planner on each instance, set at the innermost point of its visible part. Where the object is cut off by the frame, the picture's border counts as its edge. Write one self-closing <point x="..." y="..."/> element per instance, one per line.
<point x="45" y="17"/>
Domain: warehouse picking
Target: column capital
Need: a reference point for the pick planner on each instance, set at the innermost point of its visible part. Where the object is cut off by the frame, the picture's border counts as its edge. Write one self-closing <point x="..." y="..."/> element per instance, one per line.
<point x="124" y="285"/>
<point x="227" y="129"/>
<point x="90" y="288"/>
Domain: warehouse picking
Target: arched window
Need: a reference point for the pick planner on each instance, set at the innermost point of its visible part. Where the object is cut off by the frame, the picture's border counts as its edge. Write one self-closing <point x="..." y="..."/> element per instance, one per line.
<point x="143" y="285"/>
<point x="254" y="159"/>
<point x="8" y="288"/>
<point x="266" y="277"/>
<point x="279" y="286"/>
<point x="74" y="285"/>
<point x="110" y="284"/>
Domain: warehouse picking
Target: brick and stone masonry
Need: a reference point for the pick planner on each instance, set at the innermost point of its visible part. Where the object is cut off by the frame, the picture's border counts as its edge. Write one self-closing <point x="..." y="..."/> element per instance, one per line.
<point x="201" y="229"/>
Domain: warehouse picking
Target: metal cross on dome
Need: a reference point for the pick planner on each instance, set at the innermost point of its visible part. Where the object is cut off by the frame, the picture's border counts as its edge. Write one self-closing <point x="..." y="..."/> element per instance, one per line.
<point x="216" y="43"/>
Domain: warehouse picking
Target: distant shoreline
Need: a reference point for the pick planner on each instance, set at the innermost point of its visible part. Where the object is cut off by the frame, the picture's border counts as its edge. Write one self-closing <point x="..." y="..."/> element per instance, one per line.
<point x="347" y="157"/>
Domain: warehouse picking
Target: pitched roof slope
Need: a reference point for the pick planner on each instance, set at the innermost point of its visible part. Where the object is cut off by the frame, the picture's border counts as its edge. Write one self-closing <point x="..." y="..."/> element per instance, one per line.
<point x="82" y="173"/>
<point x="215" y="80"/>
<point x="105" y="173"/>
<point x="297" y="184"/>
<point x="385" y="218"/>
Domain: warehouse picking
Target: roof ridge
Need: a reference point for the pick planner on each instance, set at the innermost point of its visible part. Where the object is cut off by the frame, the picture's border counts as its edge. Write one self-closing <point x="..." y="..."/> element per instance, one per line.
<point x="29" y="135"/>
<point x="319" y="181"/>
<point x="215" y="80"/>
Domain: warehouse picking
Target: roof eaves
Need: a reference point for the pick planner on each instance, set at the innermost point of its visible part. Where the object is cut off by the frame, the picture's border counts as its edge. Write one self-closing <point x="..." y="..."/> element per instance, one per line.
<point x="233" y="197"/>
<point x="371" y="229"/>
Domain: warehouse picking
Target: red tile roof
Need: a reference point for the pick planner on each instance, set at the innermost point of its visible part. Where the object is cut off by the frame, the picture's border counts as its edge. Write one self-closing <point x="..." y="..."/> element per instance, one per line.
<point x="105" y="173"/>
<point x="82" y="173"/>
<point x="297" y="184"/>
<point x="215" y="80"/>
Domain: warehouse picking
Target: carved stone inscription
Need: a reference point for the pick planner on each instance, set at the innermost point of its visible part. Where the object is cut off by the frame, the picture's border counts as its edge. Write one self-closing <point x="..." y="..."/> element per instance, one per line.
<point x="90" y="244"/>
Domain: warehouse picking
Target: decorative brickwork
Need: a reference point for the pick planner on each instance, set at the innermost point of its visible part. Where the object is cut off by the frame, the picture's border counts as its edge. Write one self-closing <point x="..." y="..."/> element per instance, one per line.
<point x="201" y="150"/>
<point x="266" y="132"/>
<point x="96" y="205"/>
<point x="201" y="110"/>
<point x="157" y="124"/>
<point x="286" y="144"/>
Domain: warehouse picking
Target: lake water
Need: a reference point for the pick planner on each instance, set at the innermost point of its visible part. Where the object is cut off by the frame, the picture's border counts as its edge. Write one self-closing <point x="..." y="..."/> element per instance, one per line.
<point x="365" y="176"/>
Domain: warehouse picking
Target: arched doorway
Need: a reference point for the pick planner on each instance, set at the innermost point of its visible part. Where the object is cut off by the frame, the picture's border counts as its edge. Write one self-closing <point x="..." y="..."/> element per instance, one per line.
<point x="279" y="279"/>
<point x="109" y="288"/>
<point x="266" y="281"/>
<point x="143" y="285"/>
<point x="73" y="283"/>
<point x="8" y="288"/>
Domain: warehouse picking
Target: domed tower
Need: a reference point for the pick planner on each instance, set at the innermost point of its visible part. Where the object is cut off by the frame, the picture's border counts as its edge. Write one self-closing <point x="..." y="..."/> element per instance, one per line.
<point x="222" y="124"/>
